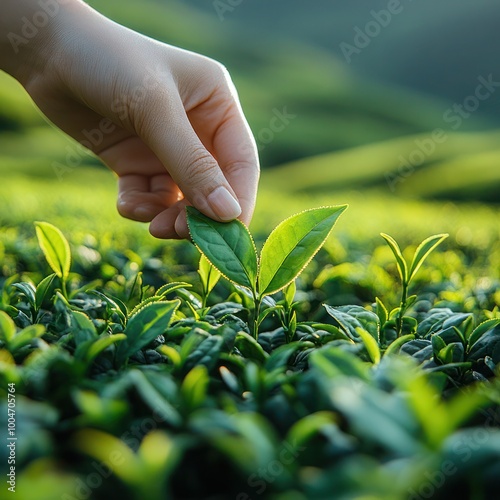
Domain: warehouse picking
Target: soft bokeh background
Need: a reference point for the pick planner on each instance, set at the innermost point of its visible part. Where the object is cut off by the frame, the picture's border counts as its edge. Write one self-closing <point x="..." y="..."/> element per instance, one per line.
<point x="362" y="126"/>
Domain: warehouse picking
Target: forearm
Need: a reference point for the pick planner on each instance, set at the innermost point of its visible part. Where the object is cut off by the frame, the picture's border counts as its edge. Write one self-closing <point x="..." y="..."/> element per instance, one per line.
<point x="27" y="30"/>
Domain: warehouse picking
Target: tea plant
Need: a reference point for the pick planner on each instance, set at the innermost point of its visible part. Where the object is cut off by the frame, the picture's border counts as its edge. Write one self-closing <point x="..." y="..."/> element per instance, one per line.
<point x="407" y="272"/>
<point x="290" y="247"/>
<point x="125" y="389"/>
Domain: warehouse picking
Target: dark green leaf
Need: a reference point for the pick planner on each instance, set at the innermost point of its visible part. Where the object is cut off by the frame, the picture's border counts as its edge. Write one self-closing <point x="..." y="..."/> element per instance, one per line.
<point x="144" y="327"/>
<point x="228" y="246"/>
<point x="350" y="318"/>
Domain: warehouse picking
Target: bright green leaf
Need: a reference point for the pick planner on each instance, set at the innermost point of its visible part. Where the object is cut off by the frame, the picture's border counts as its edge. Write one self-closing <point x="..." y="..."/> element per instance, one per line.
<point x="26" y="336"/>
<point x="382" y="313"/>
<point x="44" y="288"/>
<point x="55" y="248"/>
<point x="292" y="245"/>
<point x="422" y="252"/>
<point x="400" y="260"/>
<point x="194" y="387"/>
<point x="209" y="275"/>
<point x="371" y="345"/>
<point x="250" y="348"/>
<point x="7" y="327"/>
<point x="99" y="345"/>
<point x="398" y="343"/>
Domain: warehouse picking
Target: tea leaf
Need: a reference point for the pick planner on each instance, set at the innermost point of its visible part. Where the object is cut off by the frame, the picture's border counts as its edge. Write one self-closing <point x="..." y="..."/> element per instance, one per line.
<point x="194" y="387"/>
<point x="209" y="275"/>
<point x="382" y="313"/>
<point x="398" y="343"/>
<point x="423" y="251"/>
<point x="481" y="329"/>
<point x="145" y="326"/>
<point x="292" y="245"/>
<point x="401" y="262"/>
<point x="228" y="246"/>
<point x="26" y="336"/>
<point x="99" y="345"/>
<point x="7" y="327"/>
<point x="55" y="248"/>
<point x="371" y="345"/>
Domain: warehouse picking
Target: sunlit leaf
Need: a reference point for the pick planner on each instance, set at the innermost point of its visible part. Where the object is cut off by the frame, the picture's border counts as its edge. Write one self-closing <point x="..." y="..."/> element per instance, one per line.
<point x="292" y="245"/>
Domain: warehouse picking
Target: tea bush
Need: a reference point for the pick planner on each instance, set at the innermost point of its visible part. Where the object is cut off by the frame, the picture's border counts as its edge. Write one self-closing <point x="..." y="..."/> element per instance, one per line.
<point x="144" y="373"/>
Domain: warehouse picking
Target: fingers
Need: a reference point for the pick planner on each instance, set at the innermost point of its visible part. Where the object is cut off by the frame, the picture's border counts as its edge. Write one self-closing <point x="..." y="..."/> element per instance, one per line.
<point x="236" y="152"/>
<point x="196" y="172"/>
<point x="142" y="198"/>
<point x="171" y="223"/>
<point x="221" y="126"/>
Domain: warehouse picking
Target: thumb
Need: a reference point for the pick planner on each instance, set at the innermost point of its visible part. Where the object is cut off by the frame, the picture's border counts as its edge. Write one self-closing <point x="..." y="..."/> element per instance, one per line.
<point x="188" y="162"/>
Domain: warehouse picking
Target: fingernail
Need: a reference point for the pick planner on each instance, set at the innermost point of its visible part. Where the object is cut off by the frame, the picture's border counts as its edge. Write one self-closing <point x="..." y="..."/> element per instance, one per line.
<point x="223" y="203"/>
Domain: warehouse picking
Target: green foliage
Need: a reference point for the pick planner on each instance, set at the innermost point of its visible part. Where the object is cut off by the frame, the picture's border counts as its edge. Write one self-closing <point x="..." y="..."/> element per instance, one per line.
<point x="165" y="390"/>
<point x="407" y="272"/>
<point x="292" y="245"/>
<point x="229" y="247"/>
<point x="56" y="250"/>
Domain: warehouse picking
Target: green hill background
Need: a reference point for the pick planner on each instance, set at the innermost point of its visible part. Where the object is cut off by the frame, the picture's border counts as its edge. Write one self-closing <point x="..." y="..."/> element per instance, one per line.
<point x="348" y="141"/>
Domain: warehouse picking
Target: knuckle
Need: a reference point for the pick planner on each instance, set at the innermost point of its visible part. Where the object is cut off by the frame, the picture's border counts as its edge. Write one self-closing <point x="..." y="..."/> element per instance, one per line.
<point x="202" y="168"/>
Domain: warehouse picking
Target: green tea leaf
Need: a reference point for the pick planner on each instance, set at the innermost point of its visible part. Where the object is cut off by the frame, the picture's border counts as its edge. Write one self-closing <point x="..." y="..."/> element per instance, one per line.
<point x="371" y="345"/>
<point x="481" y="329"/>
<point x="292" y="245"/>
<point x="26" y="336"/>
<point x="289" y="293"/>
<point x="27" y="289"/>
<point x="99" y="345"/>
<point x="209" y="275"/>
<point x="398" y="343"/>
<point x="423" y="251"/>
<point x="250" y="348"/>
<point x="228" y="246"/>
<point x="194" y="387"/>
<point x="350" y="318"/>
<point x="43" y="289"/>
<point x="311" y="425"/>
<point x="206" y="353"/>
<point x="400" y="260"/>
<point x="55" y="248"/>
<point x="382" y="313"/>
<point x="7" y="327"/>
<point x="145" y="326"/>
<point x="171" y="287"/>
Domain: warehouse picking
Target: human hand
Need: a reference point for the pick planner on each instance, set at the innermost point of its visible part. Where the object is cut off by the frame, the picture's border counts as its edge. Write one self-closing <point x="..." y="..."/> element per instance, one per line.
<point x="166" y="120"/>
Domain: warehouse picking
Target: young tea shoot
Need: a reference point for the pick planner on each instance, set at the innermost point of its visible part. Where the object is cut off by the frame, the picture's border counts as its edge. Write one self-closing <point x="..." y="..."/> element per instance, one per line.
<point x="408" y="271"/>
<point x="230" y="248"/>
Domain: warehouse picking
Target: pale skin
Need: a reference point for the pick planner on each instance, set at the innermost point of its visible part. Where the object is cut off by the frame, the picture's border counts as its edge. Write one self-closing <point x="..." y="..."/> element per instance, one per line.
<point x="167" y="121"/>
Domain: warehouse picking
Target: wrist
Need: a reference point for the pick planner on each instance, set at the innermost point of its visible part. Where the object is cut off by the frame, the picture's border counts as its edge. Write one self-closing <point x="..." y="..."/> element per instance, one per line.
<point x="30" y="34"/>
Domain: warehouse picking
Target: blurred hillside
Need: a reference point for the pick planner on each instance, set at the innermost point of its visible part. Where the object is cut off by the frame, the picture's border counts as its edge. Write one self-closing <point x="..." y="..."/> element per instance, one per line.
<point x="282" y="58"/>
<point x="439" y="48"/>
